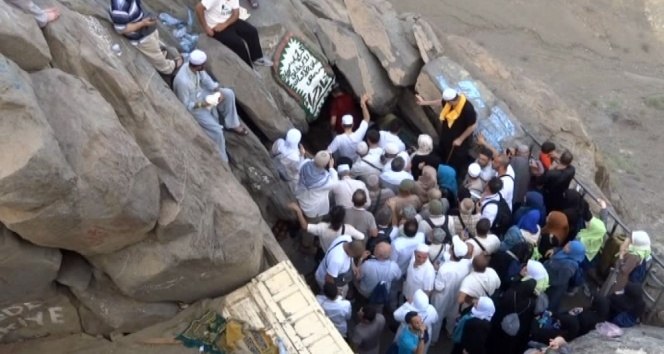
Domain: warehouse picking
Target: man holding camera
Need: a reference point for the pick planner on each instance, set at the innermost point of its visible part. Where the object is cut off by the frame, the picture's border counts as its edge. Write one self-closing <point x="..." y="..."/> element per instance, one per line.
<point x="140" y="29"/>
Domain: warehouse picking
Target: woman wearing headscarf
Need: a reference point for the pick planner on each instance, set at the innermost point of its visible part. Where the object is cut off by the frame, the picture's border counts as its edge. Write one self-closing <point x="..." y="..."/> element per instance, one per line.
<point x="447" y="181"/>
<point x="508" y="264"/>
<point x="638" y="252"/>
<point x="420" y="304"/>
<point x="589" y="316"/>
<point x="378" y="195"/>
<point x="423" y="156"/>
<point x="519" y="299"/>
<point x="553" y="234"/>
<point x="526" y="230"/>
<point x="592" y="237"/>
<point x="577" y="210"/>
<point x="290" y="155"/>
<point x="534" y="201"/>
<point x="535" y="270"/>
<point x="427" y="181"/>
<point x="561" y="268"/>
<point x="472" y="332"/>
<point x="627" y="308"/>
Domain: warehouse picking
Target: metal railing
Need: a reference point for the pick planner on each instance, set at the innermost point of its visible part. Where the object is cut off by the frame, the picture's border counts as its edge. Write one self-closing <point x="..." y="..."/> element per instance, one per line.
<point x="653" y="286"/>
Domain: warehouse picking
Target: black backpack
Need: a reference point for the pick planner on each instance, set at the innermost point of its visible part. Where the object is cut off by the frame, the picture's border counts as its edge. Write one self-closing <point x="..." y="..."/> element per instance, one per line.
<point x="444" y="227"/>
<point x="503" y="220"/>
<point x="383" y="236"/>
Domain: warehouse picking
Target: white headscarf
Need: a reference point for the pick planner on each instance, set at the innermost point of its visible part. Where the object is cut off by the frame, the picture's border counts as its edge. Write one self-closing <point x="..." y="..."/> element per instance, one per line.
<point x="536" y="270"/>
<point x="290" y="147"/>
<point x="420" y="302"/>
<point x="424" y="145"/>
<point x="484" y="309"/>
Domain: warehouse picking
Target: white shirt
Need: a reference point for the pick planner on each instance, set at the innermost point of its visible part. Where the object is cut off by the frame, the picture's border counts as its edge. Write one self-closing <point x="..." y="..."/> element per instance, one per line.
<point x="373" y="271"/>
<point x="388" y="164"/>
<point x="451" y="274"/>
<point x="327" y="235"/>
<point x="219" y="11"/>
<point x="480" y="284"/>
<point x="491" y="243"/>
<point x="421" y="277"/>
<point x="338" y="311"/>
<point x="491" y="210"/>
<point x="395" y="178"/>
<point x="347" y="143"/>
<point x="376" y="151"/>
<point x="336" y="261"/>
<point x="363" y="167"/>
<point x="387" y="137"/>
<point x="403" y="248"/>
<point x="487" y="172"/>
<point x="344" y="189"/>
<point x="316" y="202"/>
<point x="508" y="186"/>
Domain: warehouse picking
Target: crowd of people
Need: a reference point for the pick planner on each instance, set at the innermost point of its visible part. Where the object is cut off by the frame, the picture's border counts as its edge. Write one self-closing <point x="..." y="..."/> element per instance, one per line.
<point x="438" y="246"/>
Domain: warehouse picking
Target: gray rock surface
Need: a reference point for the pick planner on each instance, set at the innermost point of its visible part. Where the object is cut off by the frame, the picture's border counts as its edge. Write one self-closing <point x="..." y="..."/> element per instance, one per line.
<point x="415" y="114"/>
<point x="333" y="10"/>
<point x="347" y="51"/>
<point x="27" y="271"/>
<point x="23" y="320"/>
<point x="86" y="344"/>
<point x="21" y="39"/>
<point x="636" y="340"/>
<point x="75" y="271"/>
<point x="378" y="25"/>
<point x="115" y="201"/>
<point x="116" y="311"/>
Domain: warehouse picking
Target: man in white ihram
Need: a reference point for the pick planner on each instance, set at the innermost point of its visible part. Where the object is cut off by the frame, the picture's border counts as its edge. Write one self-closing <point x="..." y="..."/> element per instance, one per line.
<point x="193" y="87"/>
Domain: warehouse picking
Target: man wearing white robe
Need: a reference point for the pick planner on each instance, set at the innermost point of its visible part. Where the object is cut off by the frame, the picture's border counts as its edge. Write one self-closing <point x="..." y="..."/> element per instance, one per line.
<point x="420" y="274"/>
<point x="420" y="304"/>
<point x="446" y="287"/>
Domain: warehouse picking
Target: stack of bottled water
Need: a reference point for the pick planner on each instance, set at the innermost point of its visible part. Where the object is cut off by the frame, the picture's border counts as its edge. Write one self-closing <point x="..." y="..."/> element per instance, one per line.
<point x="181" y="30"/>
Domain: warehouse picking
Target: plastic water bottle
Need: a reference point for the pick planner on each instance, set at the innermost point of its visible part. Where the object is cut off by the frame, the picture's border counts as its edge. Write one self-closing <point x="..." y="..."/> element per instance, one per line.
<point x="115" y="48"/>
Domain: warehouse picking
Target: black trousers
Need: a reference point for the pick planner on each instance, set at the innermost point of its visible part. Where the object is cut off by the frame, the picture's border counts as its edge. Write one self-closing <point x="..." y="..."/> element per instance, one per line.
<point x="234" y="37"/>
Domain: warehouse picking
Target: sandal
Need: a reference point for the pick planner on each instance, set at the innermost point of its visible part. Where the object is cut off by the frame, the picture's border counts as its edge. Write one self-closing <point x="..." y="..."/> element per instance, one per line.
<point x="239" y="130"/>
<point x="254" y="4"/>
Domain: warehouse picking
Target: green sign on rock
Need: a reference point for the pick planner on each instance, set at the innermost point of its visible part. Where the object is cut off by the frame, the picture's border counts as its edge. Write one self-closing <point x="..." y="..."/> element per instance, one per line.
<point x="303" y="74"/>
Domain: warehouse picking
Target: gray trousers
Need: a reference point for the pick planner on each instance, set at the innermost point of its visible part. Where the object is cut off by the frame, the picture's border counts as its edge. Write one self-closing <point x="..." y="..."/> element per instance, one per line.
<point x="31" y="8"/>
<point x="208" y="119"/>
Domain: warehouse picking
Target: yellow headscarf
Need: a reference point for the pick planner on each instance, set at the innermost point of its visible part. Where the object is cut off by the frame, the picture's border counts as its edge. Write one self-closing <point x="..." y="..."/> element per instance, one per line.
<point x="451" y="115"/>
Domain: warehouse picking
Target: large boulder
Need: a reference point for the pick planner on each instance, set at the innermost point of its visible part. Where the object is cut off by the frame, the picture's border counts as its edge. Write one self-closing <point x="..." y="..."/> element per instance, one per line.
<point x="117" y="312"/>
<point x="378" y="25"/>
<point x="539" y="108"/>
<point x="33" y="171"/>
<point x="87" y="344"/>
<point x="250" y="91"/>
<point x="23" y="320"/>
<point x="635" y="340"/>
<point x="209" y="233"/>
<point x="115" y="201"/>
<point x="27" y="271"/>
<point x="415" y="114"/>
<point x="21" y="39"/>
<point x="333" y="10"/>
<point x="346" y="50"/>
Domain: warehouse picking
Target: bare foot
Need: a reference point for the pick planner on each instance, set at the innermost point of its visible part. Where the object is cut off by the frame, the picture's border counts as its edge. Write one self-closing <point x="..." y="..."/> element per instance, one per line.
<point x="52" y="15"/>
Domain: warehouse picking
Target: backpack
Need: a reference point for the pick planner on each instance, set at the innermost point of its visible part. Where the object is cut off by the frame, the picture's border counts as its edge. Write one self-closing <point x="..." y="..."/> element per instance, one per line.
<point x="383" y="236"/>
<point x="511" y="323"/>
<point x="503" y="220"/>
<point x="380" y="295"/>
<point x="444" y="227"/>
<point x="638" y="275"/>
<point x="465" y="228"/>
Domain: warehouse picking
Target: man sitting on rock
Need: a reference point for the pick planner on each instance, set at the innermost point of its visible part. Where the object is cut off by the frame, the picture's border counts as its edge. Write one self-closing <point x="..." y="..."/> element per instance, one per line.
<point x="130" y="21"/>
<point x="42" y="16"/>
<point x="221" y="19"/>
<point x="206" y="100"/>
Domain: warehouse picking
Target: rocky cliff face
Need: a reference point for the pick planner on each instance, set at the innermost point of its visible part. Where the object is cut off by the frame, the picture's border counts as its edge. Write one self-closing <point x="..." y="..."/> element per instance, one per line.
<point x="115" y="204"/>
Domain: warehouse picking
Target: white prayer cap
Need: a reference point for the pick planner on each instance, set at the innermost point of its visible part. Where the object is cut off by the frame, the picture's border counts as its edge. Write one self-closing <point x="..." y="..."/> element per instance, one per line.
<point x="343" y="168"/>
<point x="362" y="148"/>
<point x="449" y="94"/>
<point x="460" y="247"/>
<point x="422" y="247"/>
<point x="197" y="57"/>
<point x="474" y="170"/>
<point x="347" y="120"/>
<point x="391" y="149"/>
